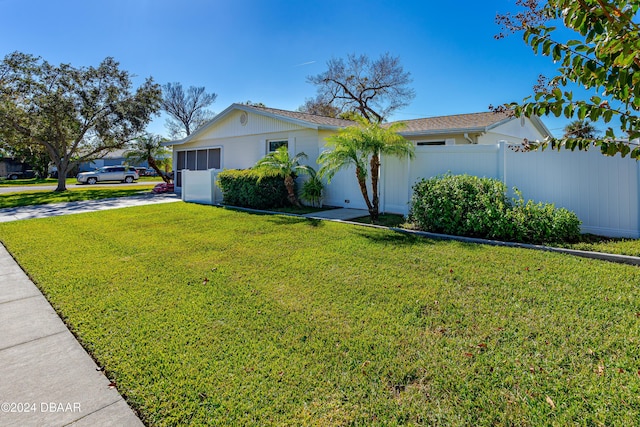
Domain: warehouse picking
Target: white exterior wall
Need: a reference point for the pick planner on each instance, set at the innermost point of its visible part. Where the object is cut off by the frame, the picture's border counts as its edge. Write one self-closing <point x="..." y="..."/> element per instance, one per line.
<point x="513" y="132"/>
<point x="602" y="191"/>
<point x="243" y="145"/>
<point x="455" y="139"/>
<point x="256" y="124"/>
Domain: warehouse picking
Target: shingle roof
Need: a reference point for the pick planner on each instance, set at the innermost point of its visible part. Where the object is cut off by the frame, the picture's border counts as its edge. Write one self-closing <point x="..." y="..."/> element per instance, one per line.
<point x="473" y="121"/>
<point x="311" y="118"/>
<point x="458" y="121"/>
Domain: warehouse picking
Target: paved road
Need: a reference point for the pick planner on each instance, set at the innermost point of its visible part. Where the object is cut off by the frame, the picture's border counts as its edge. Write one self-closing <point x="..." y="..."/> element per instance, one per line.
<point x="20" y="188"/>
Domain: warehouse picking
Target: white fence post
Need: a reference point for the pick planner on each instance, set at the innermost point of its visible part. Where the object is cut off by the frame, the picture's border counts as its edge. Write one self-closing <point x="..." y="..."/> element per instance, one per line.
<point x="502" y="161"/>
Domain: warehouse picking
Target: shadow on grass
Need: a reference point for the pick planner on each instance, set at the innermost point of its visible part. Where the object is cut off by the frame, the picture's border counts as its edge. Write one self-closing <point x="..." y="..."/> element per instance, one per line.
<point x="400" y="238"/>
<point x="276" y="217"/>
<point x="289" y="220"/>
<point x="392" y="237"/>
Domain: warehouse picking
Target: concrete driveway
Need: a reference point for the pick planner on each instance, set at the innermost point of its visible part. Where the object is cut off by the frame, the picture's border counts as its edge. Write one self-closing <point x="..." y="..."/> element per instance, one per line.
<point x="82" y="206"/>
<point x="21" y="188"/>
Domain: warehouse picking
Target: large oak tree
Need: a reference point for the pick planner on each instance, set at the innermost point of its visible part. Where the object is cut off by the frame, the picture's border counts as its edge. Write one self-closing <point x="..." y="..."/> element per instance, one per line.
<point x="76" y="114"/>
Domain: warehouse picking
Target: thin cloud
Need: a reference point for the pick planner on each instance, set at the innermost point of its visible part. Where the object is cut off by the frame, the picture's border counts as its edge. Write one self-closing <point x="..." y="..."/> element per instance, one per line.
<point x="305" y="63"/>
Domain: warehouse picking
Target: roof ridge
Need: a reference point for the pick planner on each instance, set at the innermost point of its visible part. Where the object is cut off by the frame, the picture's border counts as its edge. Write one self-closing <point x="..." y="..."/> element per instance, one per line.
<point x="497" y="113"/>
<point x="296" y="112"/>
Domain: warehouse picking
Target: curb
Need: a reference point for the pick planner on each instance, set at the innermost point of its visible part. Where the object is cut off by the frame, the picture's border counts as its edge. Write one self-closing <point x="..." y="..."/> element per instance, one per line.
<point x="620" y="259"/>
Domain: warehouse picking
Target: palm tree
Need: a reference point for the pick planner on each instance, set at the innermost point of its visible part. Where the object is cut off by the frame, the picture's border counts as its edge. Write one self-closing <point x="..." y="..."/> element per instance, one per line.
<point x="361" y="144"/>
<point x="148" y="148"/>
<point x="279" y="164"/>
<point x="580" y="129"/>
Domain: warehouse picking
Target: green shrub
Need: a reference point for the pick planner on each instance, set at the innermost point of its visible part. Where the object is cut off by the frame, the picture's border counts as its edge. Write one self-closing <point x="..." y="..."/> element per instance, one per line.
<point x="478" y="207"/>
<point x="541" y="222"/>
<point x="312" y="190"/>
<point x="459" y="204"/>
<point x="244" y="188"/>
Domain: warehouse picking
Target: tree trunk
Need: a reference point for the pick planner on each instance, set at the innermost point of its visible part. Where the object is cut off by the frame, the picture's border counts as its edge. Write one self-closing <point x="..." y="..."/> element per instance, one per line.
<point x="62" y="167"/>
<point x="154" y="166"/>
<point x="374" y="212"/>
<point x="289" y="183"/>
<point x="363" y="189"/>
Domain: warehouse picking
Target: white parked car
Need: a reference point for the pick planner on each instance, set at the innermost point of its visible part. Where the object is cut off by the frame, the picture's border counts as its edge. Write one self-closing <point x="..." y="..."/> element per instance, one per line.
<point x="109" y="173"/>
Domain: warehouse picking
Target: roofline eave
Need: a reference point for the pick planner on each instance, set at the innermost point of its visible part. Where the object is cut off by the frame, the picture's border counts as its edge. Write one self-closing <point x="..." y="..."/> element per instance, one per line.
<point x="443" y="131"/>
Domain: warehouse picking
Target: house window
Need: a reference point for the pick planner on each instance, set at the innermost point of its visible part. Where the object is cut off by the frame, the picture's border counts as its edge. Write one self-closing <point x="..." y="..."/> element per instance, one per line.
<point x="201" y="160"/>
<point x="191" y="161"/>
<point x="427" y="143"/>
<point x="274" y="145"/>
<point x="196" y="160"/>
<point x="214" y="158"/>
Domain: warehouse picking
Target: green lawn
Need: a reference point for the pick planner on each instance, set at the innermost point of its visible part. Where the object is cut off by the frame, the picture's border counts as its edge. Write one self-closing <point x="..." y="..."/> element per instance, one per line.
<point x="205" y="315"/>
<point x="613" y="246"/>
<point x="29" y="198"/>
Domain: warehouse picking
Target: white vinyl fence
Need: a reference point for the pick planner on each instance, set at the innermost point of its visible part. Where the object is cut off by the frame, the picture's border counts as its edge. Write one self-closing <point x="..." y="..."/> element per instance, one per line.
<point x="602" y="191"/>
<point x="200" y="187"/>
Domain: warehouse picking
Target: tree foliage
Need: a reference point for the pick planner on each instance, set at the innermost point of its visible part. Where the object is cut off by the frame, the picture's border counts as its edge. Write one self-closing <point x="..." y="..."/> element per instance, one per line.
<point x="250" y="103"/>
<point x="603" y="59"/>
<point x="319" y="107"/>
<point x="75" y="114"/>
<point x="188" y="110"/>
<point x="361" y="146"/>
<point x="374" y="89"/>
<point x="35" y="156"/>
<point x="148" y="148"/>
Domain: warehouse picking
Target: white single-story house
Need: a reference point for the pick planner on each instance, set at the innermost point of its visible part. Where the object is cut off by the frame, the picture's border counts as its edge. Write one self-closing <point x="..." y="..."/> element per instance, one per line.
<point x="241" y="135"/>
<point x="603" y="191"/>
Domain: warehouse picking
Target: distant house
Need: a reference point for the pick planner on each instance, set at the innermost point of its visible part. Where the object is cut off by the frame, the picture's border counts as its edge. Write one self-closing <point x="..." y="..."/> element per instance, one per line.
<point x="113" y="158"/>
<point x="9" y="164"/>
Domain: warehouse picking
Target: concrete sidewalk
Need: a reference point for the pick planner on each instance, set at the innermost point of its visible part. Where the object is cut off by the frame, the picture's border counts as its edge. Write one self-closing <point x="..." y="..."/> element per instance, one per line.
<point x="56" y="209"/>
<point x="47" y="377"/>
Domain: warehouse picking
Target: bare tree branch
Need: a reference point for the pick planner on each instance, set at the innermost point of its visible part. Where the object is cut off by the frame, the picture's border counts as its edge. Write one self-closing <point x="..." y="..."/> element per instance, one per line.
<point x="187" y="110"/>
<point x="375" y="89"/>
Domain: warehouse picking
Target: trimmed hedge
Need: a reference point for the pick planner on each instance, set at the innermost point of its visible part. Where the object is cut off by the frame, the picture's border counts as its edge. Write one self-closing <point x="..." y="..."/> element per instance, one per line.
<point x="479" y="207"/>
<point x="244" y="188"/>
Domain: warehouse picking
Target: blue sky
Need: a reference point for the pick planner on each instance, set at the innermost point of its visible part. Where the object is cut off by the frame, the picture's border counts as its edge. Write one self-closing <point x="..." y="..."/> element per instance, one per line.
<point x="263" y="50"/>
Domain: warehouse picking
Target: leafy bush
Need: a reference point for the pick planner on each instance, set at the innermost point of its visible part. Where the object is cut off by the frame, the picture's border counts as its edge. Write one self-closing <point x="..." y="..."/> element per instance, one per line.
<point x="479" y="207"/>
<point x="312" y="190"/>
<point x="539" y="222"/>
<point x="461" y="204"/>
<point x="245" y="188"/>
